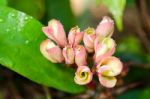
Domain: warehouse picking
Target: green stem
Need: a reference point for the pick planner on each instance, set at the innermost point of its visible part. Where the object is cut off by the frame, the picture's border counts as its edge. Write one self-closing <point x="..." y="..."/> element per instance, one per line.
<point x="47" y="93"/>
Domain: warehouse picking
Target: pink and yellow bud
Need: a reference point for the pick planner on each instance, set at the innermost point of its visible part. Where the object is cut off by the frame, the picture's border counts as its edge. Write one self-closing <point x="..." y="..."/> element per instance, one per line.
<point x="104" y="47"/>
<point x="108" y="82"/>
<point x="107" y="69"/>
<point x="110" y="66"/>
<point x="80" y="55"/>
<point x="55" y="32"/>
<point x="69" y="55"/>
<point x="51" y="51"/>
<point x="88" y="39"/>
<point x="83" y="75"/>
<point x="75" y="36"/>
<point x="105" y="27"/>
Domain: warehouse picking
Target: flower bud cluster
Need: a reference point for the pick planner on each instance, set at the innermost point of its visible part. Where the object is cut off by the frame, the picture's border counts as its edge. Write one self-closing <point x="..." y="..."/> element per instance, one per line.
<point x="58" y="48"/>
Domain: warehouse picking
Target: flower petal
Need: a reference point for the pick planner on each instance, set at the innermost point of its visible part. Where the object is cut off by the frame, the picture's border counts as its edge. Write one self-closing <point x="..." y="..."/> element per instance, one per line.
<point x="51" y="51"/>
<point x="80" y="55"/>
<point x="105" y="27"/>
<point x="69" y="55"/>
<point x="108" y="82"/>
<point x="83" y="75"/>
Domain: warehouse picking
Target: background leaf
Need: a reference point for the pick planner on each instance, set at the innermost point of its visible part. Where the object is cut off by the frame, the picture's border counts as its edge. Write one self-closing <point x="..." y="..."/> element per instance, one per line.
<point x="130" y="49"/>
<point x="3" y="2"/>
<point x="34" y="8"/>
<point x="20" y="37"/>
<point x="141" y="93"/>
<point x="61" y="10"/>
<point x="116" y="7"/>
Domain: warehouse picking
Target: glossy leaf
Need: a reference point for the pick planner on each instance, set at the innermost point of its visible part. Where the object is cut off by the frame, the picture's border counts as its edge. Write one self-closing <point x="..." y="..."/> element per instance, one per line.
<point x="60" y="10"/>
<point x="20" y="38"/>
<point x="34" y="8"/>
<point x="3" y="2"/>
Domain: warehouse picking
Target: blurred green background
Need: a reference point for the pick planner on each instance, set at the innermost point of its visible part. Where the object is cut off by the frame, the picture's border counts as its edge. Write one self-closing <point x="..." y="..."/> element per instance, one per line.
<point x="132" y="34"/>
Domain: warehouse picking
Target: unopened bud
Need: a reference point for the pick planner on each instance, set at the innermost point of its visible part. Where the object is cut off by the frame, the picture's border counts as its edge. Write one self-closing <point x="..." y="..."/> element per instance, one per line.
<point x="88" y="39"/>
<point x="69" y="54"/>
<point x="75" y="36"/>
<point x="51" y="51"/>
<point x="55" y="32"/>
<point x="80" y="55"/>
<point x="83" y="75"/>
<point x="104" y="47"/>
<point x="105" y="27"/>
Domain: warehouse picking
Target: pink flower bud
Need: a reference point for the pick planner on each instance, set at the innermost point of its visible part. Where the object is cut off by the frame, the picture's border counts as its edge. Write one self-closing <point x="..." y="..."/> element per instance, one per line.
<point x="83" y="75"/>
<point x="55" y="31"/>
<point x="75" y="36"/>
<point x="107" y="69"/>
<point x="108" y="82"/>
<point x="105" y="27"/>
<point x="51" y="51"/>
<point x="80" y="55"/>
<point x="110" y="66"/>
<point x="104" y="47"/>
<point x="88" y="39"/>
<point x="69" y="54"/>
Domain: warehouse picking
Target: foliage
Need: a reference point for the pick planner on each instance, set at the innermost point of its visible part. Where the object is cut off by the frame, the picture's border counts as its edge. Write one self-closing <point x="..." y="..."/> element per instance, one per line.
<point x="116" y="7"/>
<point x="20" y="37"/>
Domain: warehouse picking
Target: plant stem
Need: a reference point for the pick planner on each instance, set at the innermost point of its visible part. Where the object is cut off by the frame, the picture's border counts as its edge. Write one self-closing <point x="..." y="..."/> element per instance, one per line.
<point x="47" y="93"/>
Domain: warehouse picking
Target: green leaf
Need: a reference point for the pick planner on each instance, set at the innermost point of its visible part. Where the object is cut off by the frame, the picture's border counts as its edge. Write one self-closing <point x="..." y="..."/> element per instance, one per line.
<point x="116" y="7"/>
<point x="130" y="49"/>
<point x="3" y="2"/>
<point x="61" y="10"/>
<point x="20" y="38"/>
<point x="141" y="93"/>
<point x="34" y="8"/>
<point x="130" y="3"/>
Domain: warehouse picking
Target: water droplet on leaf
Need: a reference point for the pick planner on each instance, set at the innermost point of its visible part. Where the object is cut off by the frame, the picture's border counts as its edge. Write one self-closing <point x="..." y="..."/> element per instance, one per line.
<point x="12" y="14"/>
<point x="27" y="41"/>
<point x="7" y="30"/>
<point x="1" y="20"/>
<point x="26" y="18"/>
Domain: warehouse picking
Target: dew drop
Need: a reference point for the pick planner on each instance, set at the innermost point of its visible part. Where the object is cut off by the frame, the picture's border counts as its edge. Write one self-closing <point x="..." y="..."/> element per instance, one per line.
<point x="12" y="14"/>
<point x="6" y="61"/>
<point x="26" y="18"/>
<point x="7" y="30"/>
<point x="19" y="29"/>
<point x="27" y="41"/>
<point x="1" y="20"/>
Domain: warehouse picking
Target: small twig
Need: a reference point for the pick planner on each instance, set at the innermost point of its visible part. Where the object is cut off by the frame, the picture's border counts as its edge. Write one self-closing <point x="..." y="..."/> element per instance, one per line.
<point x="136" y="27"/>
<point x="146" y="66"/>
<point x="47" y="93"/>
<point x="144" y="16"/>
<point x="123" y="89"/>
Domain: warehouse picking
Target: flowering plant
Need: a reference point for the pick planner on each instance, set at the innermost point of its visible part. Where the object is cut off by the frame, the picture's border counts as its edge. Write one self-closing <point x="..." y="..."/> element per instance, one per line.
<point x="58" y="48"/>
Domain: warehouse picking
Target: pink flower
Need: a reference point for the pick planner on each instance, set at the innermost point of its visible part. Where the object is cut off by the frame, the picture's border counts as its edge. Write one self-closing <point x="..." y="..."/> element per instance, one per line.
<point x="55" y="32"/>
<point x="88" y="39"/>
<point x="104" y="47"/>
<point x="80" y="55"/>
<point x="108" y="82"/>
<point x="69" y="54"/>
<point x="107" y="69"/>
<point x="75" y="36"/>
<point x="51" y="51"/>
<point x="83" y="75"/>
<point x="105" y="27"/>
